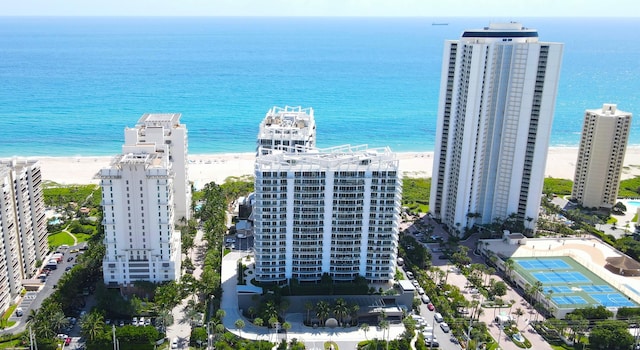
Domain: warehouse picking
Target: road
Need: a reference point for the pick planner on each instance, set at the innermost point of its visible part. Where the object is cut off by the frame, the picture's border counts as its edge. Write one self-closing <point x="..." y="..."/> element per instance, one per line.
<point x="33" y="300"/>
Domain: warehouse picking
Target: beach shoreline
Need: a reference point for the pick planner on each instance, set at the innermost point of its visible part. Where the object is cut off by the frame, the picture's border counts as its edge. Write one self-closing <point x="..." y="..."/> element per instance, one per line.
<point x="204" y="168"/>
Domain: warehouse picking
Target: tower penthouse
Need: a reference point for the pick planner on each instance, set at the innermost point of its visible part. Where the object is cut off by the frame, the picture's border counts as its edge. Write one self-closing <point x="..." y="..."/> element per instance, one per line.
<point x="602" y="147"/>
<point x="334" y="210"/>
<point x="287" y="128"/>
<point x="497" y="96"/>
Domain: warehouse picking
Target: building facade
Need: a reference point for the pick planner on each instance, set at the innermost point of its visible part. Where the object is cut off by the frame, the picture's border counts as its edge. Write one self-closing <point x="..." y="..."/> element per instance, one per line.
<point x="603" y="144"/>
<point x="286" y="129"/>
<point x="142" y="191"/>
<point x="23" y="226"/>
<point x="334" y="211"/>
<point x="164" y="132"/>
<point x="497" y="97"/>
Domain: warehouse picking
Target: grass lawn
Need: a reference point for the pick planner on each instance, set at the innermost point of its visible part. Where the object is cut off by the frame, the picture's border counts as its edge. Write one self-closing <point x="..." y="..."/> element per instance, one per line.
<point x="11" y="344"/>
<point x="82" y="237"/>
<point x="60" y="238"/>
<point x="612" y="220"/>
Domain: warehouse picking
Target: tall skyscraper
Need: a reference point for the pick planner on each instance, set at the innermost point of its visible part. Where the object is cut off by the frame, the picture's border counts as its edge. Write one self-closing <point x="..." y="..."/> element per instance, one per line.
<point x="497" y="97"/>
<point x="143" y="192"/>
<point x="602" y="147"/>
<point x="22" y="224"/>
<point x="288" y="129"/>
<point x="334" y="211"/>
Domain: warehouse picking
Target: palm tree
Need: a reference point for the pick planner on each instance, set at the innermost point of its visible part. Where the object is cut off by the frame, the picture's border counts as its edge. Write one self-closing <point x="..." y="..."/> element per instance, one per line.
<point x="33" y="315"/>
<point x="239" y="326"/>
<point x="252" y="311"/>
<point x="92" y="325"/>
<point x="518" y="313"/>
<point x="58" y="321"/>
<point x="508" y="267"/>
<point x="384" y="325"/>
<point x="341" y="309"/>
<point x="308" y="306"/>
<point x="166" y="319"/>
<point x="220" y="314"/>
<point x="322" y="311"/>
<point x="258" y="322"/>
<point x="354" y="313"/>
<point x="499" y="303"/>
<point x="286" y="326"/>
<point x="273" y="321"/>
<point x="365" y="328"/>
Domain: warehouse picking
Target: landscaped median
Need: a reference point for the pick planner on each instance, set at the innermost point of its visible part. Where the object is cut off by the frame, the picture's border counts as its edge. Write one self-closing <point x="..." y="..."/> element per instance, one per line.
<point x="517" y="337"/>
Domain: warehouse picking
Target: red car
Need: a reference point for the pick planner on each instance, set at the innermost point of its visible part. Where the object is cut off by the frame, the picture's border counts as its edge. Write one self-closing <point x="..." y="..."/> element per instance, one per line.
<point x="431" y="307"/>
<point x="67" y="341"/>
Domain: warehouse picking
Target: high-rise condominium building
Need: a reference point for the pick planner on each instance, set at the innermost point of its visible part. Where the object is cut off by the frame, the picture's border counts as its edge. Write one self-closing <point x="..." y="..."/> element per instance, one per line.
<point x="166" y="134"/>
<point x="288" y="129"/>
<point x="334" y="211"/>
<point x="497" y="97"/>
<point x="602" y="147"/>
<point x="23" y="226"/>
<point x="142" y="193"/>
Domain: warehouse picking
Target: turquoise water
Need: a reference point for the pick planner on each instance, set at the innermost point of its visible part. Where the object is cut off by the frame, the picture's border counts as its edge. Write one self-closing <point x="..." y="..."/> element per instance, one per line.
<point x="70" y="85"/>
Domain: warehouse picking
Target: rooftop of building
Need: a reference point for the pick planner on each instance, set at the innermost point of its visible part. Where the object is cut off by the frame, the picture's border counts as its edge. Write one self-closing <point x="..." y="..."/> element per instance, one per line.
<point x="344" y="157"/>
<point x="609" y="110"/>
<point x="501" y="30"/>
<point x="288" y="118"/>
<point x="159" y="119"/>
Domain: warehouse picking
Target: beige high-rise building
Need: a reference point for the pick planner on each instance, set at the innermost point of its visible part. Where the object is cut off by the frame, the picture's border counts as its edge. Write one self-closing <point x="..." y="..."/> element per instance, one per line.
<point x="23" y="226"/>
<point x="602" y="147"/>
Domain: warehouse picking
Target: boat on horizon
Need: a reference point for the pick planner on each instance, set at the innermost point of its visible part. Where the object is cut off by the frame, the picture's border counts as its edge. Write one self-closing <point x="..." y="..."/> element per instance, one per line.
<point x="439" y="24"/>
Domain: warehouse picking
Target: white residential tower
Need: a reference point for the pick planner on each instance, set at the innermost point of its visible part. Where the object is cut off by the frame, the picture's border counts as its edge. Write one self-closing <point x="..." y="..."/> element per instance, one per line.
<point x="334" y="211"/>
<point x="497" y="98"/>
<point x="142" y="193"/>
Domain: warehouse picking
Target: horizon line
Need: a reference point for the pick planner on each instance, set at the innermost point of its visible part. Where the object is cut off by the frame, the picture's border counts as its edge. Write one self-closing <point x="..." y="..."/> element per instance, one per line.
<point x="305" y="16"/>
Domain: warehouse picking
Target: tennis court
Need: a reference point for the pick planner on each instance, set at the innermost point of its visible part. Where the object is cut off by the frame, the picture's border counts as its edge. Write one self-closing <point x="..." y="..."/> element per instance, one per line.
<point x="613" y="300"/>
<point x="568" y="300"/>
<point x="557" y="277"/>
<point x="569" y="284"/>
<point x="543" y="264"/>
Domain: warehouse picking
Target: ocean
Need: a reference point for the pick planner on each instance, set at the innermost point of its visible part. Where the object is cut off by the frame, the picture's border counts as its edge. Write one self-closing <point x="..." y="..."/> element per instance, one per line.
<point x="70" y="85"/>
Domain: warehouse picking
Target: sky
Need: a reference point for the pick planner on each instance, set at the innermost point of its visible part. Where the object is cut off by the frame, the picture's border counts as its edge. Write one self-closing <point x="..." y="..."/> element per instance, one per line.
<point x="394" y="8"/>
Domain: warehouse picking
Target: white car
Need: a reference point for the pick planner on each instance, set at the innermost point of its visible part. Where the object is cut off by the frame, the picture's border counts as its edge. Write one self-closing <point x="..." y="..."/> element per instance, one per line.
<point x="174" y="343"/>
<point x="438" y="317"/>
<point x="445" y="327"/>
<point x="415" y="283"/>
<point x="425" y="299"/>
<point x="420" y="291"/>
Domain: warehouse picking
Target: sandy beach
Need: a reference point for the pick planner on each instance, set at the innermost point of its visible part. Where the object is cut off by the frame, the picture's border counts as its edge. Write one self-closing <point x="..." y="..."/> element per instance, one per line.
<point x="204" y="168"/>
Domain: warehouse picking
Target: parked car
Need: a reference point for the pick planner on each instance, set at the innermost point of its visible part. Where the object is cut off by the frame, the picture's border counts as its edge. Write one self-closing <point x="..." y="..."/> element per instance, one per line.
<point x="445" y="327"/>
<point x="409" y="275"/>
<point x="67" y="341"/>
<point x="174" y="343"/>
<point x="431" y="307"/>
<point x="425" y="299"/>
<point x="420" y="291"/>
<point x="438" y="317"/>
